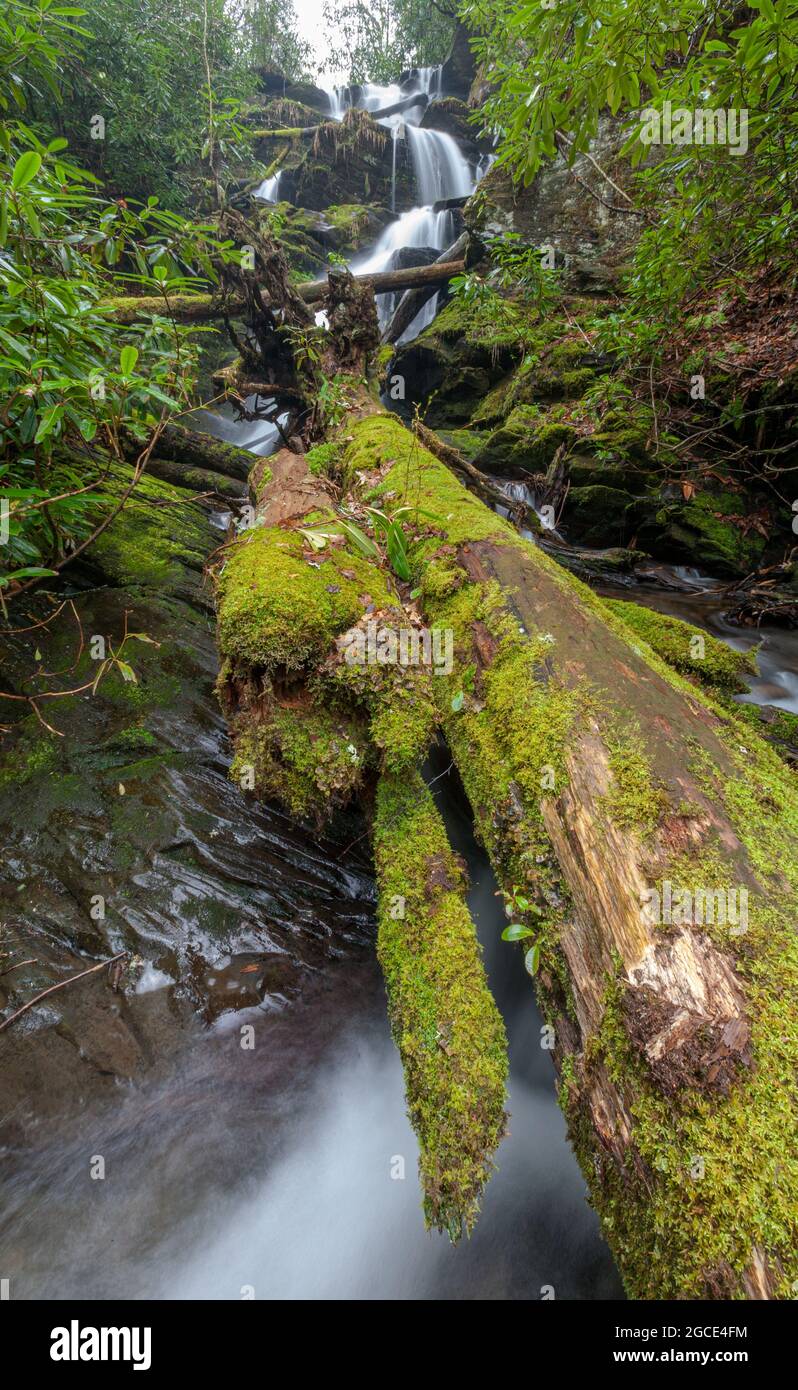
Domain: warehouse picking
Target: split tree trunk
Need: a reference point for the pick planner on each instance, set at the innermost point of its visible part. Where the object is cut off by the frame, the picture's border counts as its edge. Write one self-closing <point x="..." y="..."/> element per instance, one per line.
<point x="605" y="789"/>
<point x="312" y="729"/>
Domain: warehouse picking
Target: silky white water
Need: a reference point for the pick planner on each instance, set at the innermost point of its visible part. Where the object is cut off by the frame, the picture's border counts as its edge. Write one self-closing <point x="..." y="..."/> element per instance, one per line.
<point x="269" y="189"/>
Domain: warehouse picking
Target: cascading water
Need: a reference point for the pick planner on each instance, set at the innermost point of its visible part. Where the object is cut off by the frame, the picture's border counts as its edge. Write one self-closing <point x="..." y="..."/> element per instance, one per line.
<point x="337" y="97"/>
<point x="269" y="189"/>
<point x="430" y="80"/>
<point x="441" y="170"/>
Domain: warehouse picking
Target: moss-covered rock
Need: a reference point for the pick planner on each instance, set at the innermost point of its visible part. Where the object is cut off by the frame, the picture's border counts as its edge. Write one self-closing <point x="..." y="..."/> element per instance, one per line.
<point x="459" y="358"/>
<point x="468" y="442"/>
<point x="343" y="162"/>
<point x="526" y="443"/>
<point x="597" y="515"/>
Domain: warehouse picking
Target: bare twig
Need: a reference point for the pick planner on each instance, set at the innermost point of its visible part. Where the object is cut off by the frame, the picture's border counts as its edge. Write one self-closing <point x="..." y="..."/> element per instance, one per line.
<point x="31" y="1002"/>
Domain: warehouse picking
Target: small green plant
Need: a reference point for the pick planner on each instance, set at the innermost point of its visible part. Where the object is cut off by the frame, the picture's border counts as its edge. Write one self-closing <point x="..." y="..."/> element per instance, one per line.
<point x="517" y="903"/>
<point x="390" y="528"/>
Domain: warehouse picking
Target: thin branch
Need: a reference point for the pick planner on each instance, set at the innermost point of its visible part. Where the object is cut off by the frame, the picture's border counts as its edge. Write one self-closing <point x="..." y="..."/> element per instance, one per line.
<point x="61" y="985"/>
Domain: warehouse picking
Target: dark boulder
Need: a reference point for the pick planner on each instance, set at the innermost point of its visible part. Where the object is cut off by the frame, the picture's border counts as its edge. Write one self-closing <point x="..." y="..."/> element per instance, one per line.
<point x="459" y="70"/>
<point x="275" y="84"/>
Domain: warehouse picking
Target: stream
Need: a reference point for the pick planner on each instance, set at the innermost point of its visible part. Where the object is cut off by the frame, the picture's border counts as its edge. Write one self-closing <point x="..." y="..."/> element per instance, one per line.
<point x="289" y="1171"/>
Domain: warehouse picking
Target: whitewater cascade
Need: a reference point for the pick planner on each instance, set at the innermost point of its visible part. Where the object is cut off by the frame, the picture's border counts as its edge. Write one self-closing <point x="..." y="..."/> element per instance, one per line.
<point x="441" y="172"/>
<point x="269" y="188"/>
<point x="337" y="99"/>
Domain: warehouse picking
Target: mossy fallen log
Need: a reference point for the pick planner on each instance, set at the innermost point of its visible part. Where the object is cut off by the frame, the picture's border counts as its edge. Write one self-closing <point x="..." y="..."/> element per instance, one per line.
<point x="203" y="481"/>
<point x="184" y="308"/>
<point x="197" y="308"/>
<point x="433" y="276"/>
<point x="655" y="837"/>
<point x="312" y="728"/>
<point x="444" y="1021"/>
<point x="198" y="450"/>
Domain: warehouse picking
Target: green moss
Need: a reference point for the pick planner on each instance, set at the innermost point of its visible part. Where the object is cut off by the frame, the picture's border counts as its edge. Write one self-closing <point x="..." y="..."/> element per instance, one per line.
<point x="526" y="442"/>
<point x="466" y="442"/>
<point x="308" y="759"/>
<point x="384" y="358"/>
<point x="322" y="460"/>
<point x="33" y="753"/>
<point x="381" y="438"/>
<point x="687" y="648"/>
<point x="281" y="608"/>
<point x="633" y="801"/>
<point x="395" y="694"/>
<point x="445" y="1024"/>
<point x="156" y="537"/>
<point x="710" y="527"/>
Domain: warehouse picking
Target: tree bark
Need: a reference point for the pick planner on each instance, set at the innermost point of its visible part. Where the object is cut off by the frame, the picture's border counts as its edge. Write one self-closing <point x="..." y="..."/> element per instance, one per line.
<point x="195" y="449"/>
<point x="633" y="814"/>
<point x="433" y="275"/>
<point x="196" y="308"/>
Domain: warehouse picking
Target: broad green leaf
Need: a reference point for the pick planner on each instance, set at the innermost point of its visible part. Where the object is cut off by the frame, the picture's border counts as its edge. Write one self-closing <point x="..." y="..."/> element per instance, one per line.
<point x="516" y="932"/>
<point x="25" y="169"/>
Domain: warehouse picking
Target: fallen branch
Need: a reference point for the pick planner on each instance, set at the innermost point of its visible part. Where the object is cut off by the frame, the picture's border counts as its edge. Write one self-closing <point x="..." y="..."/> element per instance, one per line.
<point x="436" y="274"/>
<point x="198" y="308"/>
<point x="413" y="300"/>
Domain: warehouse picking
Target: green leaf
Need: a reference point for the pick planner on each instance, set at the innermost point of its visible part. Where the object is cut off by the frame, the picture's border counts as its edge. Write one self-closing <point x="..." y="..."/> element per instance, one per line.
<point x="25" y="169"/>
<point x="516" y="932"/>
<point x="128" y="358"/>
<point x="457" y="702"/>
<point x="532" y="959"/>
<point x="30" y="572"/>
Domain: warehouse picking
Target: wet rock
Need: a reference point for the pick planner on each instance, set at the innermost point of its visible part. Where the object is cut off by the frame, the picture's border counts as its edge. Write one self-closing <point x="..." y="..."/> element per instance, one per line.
<point x="525" y="443"/>
<point x="123" y="832"/>
<point x="459" y="69"/>
<point x="343" y="162"/>
<point x="450" y="115"/>
<point x="275" y="84"/>
<point x="557" y="209"/>
<point x="459" y="359"/>
<point x="597" y="515"/>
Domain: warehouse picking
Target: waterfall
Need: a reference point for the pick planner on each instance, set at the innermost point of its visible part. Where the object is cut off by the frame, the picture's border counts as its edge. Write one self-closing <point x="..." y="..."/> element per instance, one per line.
<point x="337" y="99"/>
<point x="485" y="162"/>
<point x="373" y="96"/>
<point x="430" y="80"/>
<point x="376" y="96"/>
<point x="441" y="170"/>
<point x="269" y="188"/>
<point x="397" y="134"/>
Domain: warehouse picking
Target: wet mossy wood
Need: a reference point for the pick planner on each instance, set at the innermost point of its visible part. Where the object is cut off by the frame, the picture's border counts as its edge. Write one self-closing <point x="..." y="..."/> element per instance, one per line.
<point x="444" y="1020"/>
<point x="312" y="730"/>
<point x="601" y="780"/>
